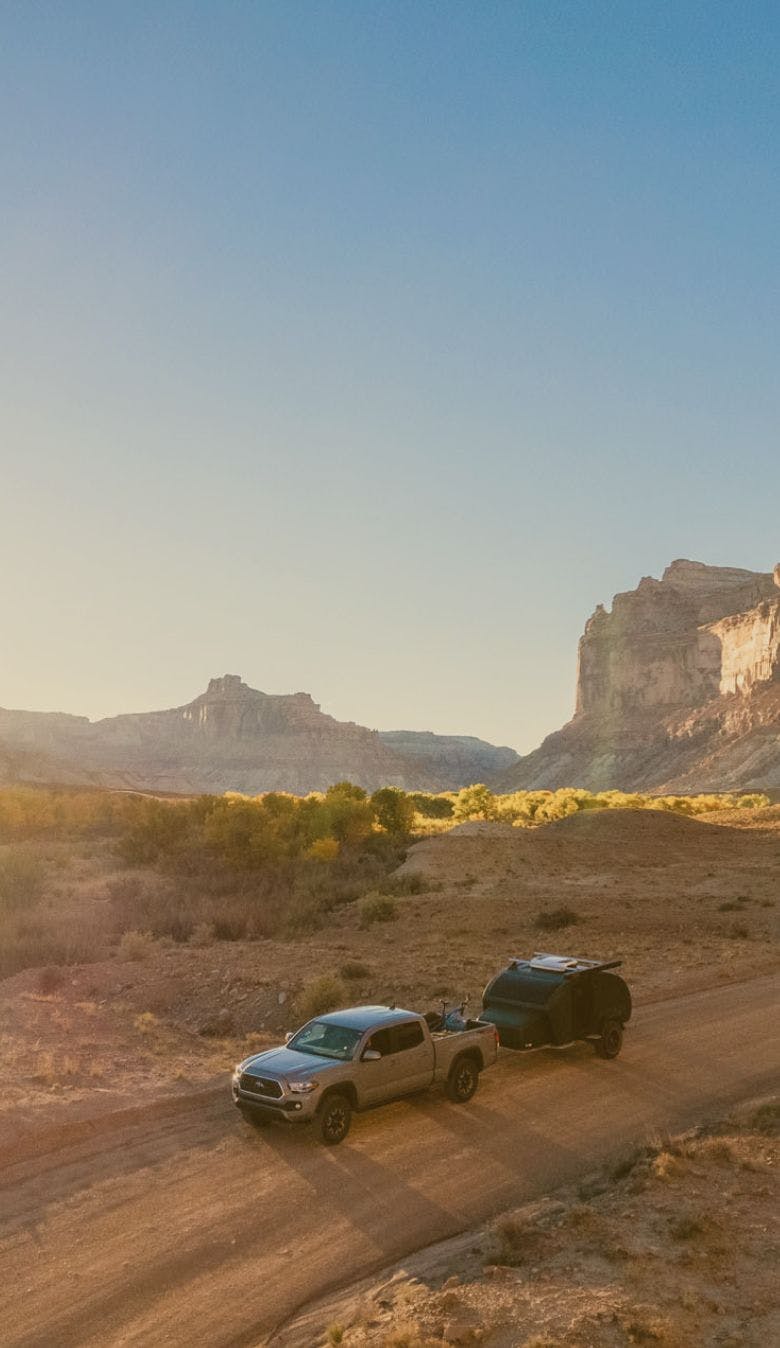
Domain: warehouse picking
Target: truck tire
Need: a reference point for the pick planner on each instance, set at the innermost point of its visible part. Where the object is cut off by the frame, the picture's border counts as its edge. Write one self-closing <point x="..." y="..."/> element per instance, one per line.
<point x="332" y="1120"/>
<point x="610" y="1041"/>
<point x="462" y="1080"/>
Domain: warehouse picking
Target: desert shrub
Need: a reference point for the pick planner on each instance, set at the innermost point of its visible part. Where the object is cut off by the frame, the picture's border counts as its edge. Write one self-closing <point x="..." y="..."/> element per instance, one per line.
<point x="432" y="807"/>
<point x="512" y="1241"/>
<point x="335" y="1333"/>
<point x="375" y="907"/>
<point x="765" y="1118"/>
<point x="687" y="1226"/>
<point x="354" y="969"/>
<point x="406" y="884"/>
<point x="475" y="802"/>
<point x="22" y="879"/>
<point x="50" y="978"/>
<point x="555" y="919"/>
<point x="202" y="934"/>
<point x="322" y="994"/>
<point x="393" y="810"/>
<point x="136" y="945"/>
<point x="323" y="849"/>
<point x="405" y="1336"/>
<point x="33" y="942"/>
<point x="739" y="932"/>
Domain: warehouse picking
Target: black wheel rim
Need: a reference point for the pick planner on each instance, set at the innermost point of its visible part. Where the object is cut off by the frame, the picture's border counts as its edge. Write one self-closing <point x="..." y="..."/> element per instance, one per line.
<point x="463" y="1080"/>
<point x="335" y="1121"/>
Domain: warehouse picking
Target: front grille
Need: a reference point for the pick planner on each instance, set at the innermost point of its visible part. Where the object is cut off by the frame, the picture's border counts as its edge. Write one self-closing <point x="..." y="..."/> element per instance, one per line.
<point x="260" y="1086"/>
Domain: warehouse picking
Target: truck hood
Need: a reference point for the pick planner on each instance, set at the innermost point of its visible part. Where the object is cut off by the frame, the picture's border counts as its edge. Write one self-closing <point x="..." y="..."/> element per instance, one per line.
<point x="287" y="1062"/>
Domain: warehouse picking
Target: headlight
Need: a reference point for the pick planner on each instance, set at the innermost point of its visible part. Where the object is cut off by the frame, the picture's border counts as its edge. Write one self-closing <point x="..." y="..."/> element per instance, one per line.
<point x="303" y="1087"/>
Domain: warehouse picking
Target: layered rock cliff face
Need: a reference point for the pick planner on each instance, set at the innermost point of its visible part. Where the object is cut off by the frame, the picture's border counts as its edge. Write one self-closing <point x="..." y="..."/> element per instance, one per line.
<point x="233" y="737"/>
<point x="678" y="688"/>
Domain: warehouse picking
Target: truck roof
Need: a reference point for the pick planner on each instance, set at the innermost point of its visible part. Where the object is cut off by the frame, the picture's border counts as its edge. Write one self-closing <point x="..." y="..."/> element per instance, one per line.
<point x="366" y="1017"/>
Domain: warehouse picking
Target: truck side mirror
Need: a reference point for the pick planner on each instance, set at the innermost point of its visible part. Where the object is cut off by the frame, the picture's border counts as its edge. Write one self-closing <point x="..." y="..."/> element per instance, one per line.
<point x="370" y="1055"/>
<point x="288" y="1036"/>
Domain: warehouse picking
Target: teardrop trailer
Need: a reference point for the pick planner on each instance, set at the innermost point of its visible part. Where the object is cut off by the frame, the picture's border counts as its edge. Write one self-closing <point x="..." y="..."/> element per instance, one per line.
<point x="556" y="1000"/>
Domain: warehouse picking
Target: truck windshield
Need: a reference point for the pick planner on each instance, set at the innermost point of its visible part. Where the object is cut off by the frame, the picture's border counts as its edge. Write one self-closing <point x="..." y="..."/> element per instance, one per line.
<point x="325" y="1040"/>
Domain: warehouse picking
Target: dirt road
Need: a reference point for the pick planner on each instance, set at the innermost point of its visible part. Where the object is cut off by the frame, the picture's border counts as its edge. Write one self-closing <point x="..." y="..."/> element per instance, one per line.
<point x="195" y="1229"/>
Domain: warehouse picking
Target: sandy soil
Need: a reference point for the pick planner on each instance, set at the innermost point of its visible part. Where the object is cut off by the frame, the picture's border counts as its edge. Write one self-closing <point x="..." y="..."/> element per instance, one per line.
<point x="686" y="904"/>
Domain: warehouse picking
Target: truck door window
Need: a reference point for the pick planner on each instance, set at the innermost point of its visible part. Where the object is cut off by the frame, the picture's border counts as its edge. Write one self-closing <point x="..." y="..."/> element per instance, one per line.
<point x="408" y="1036"/>
<point x="382" y="1042"/>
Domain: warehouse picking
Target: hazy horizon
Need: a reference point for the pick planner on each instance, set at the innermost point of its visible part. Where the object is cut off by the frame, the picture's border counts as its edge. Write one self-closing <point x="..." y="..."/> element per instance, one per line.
<point x="364" y="350"/>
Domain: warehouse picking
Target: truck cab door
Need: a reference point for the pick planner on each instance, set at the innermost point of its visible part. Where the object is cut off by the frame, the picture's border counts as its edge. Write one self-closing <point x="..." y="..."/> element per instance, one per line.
<point x="375" y="1080"/>
<point x="414" y="1055"/>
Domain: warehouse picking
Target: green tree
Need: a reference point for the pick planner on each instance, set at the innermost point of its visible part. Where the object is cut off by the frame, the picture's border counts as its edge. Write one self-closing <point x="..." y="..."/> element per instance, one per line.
<point x="394" y="811"/>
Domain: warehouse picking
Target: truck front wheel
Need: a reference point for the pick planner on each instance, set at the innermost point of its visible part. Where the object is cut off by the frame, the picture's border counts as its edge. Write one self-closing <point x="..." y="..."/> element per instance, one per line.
<point x="333" y="1119"/>
<point x="610" y="1041"/>
<point x="462" y="1080"/>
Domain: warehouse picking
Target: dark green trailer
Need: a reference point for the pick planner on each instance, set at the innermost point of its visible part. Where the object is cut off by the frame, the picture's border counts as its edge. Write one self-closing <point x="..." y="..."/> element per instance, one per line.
<point x="555" y="1000"/>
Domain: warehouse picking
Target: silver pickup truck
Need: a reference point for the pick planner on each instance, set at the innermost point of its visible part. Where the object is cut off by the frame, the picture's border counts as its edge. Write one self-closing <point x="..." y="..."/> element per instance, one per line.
<point x="350" y="1060"/>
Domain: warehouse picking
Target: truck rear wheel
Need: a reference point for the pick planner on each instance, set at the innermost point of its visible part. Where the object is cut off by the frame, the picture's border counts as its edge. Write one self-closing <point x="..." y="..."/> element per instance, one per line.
<point x="462" y="1080"/>
<point x="610" y="1041"/>
<point x="333" y="1119"/>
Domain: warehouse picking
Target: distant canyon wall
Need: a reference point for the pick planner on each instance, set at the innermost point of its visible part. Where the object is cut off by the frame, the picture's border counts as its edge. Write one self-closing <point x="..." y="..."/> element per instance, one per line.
<point x="236" y="738"/>
<point x="678" y="687"/>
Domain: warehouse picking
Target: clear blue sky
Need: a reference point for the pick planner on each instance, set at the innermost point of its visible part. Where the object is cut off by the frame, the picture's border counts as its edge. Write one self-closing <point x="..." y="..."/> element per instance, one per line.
<point x="363" y="348"/>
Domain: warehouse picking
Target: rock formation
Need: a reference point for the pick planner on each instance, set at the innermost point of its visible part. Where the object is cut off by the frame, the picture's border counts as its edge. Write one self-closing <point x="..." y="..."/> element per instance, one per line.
<point x="233" y="737"/>
<point x="678" y="688"/>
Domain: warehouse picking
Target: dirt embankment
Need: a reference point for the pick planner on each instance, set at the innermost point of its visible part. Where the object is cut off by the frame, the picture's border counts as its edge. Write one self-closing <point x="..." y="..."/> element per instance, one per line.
<point x="674" y="1243"/>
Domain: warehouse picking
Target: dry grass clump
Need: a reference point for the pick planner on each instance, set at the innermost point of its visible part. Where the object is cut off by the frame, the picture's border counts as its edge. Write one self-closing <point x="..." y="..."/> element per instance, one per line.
<point x="323" y="994"/>
<point x="353" y="970"/>
<point x="50" y="978"/>
<point x="136" y="945"/>
<point x="375" y="907"/>
<point x="513" y="1241"/>
<point x="22" y="881"/>
<point x="555" y="919"/>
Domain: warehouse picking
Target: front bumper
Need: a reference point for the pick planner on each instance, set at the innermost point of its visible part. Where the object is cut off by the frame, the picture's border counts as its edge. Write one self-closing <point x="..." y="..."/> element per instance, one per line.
<point x="289" y="1109"/>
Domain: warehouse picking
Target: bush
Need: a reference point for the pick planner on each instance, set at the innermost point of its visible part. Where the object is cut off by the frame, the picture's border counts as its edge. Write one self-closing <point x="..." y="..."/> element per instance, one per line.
<point x="21" y="881"/>
<point x="50" y="978"/>
<point x="326" y="993"/>
<point x="354" y="969"/>
<point x="324" y="849"/>
<point x="394" y="811"/>
<point x="136" y="945"/>
<point x="202" y="934"/>
<point x="555" y="919"/>
<point x="374" y="907"/>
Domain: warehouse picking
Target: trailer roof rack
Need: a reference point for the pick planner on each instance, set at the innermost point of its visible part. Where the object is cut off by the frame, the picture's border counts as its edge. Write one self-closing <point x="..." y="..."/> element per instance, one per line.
<point x="564" y="964"/>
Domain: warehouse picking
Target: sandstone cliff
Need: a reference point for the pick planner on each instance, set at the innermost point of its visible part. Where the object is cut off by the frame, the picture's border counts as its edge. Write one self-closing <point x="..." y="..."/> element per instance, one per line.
<point x="678" y="688"/>
<point x="233" y="737"/>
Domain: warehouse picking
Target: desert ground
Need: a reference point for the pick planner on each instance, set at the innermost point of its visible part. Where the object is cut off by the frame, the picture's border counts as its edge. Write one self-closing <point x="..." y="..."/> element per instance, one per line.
<point x="140" y="1209"/>
<point x="684" y="903"/>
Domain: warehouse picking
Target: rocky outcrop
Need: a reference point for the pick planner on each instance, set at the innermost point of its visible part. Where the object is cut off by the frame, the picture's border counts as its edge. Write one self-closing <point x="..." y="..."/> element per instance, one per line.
<point x="458" y="758"/>
<point x="677" y="689"/>
<point x="233" y="737"/>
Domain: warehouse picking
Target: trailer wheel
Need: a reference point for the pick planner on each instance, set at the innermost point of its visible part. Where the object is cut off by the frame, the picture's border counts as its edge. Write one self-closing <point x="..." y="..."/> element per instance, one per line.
<point x="610" y="1041"/>
<point x="462" y="1080"/>
<point x="333" y="1119"/>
